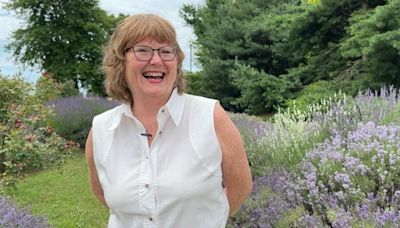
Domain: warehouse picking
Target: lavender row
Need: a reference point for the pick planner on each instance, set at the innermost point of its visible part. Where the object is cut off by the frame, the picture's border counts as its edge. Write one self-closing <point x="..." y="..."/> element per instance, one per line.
<point x="343" y="171"/>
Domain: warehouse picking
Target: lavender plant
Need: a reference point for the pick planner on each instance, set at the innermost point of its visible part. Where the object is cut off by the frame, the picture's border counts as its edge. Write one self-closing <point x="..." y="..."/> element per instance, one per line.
<point x="252" y="130"/>
<point x="280" y="142"/>
<point x="352" y="179"/>
<point x="72" y="116"/>
<point x="376" y="106"/>
<point x="12" y="216"/>
<point x="269" y="203"/>
<point x="349" y="180"/>
<point x="343" y="114"/>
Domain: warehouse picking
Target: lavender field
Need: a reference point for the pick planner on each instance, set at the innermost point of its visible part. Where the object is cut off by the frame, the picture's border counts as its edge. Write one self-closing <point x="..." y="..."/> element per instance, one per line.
<point x="334" y="165"/>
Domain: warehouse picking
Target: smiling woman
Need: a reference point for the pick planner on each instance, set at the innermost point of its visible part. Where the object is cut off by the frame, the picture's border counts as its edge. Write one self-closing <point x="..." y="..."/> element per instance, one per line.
<point x="163" y="158"/>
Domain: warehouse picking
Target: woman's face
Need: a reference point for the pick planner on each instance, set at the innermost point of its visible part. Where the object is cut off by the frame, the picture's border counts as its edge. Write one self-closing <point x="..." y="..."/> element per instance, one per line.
<point x="154" y="78"/>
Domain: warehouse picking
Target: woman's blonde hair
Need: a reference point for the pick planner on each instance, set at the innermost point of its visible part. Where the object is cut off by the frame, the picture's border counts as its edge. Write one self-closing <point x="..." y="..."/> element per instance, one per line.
<point x="128" y="32"/>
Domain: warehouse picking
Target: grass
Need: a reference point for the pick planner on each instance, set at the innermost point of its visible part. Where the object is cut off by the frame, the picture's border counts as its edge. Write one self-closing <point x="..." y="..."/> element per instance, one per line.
<point x="62" y="194"/>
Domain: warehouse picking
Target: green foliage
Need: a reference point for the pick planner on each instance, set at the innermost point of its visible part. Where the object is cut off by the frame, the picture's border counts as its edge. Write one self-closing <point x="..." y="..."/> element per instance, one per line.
<point x="48" y="89"/>
<point x="374" y="38"/>
<point x="291" y="217"/>
<point x="231" y="32"/>
<point x="195" y="83"/>
<point x="260" y="92"/>
<point x="27" y="143"/>
<point x="69" y="89"/>
<point x="353" y="44"/>
<point x="64" y="38"/>
<point x="280" y="142"/>
<point x="27" y="152"/>
<point x="393" y="117"/>
<point x="312" y="94"/>
<point x="12" y="91"/>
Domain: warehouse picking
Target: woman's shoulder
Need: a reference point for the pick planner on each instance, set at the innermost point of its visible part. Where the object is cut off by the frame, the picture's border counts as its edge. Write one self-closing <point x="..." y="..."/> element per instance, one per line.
<point x="199" y="99"/>
<point x="110" y="114"/>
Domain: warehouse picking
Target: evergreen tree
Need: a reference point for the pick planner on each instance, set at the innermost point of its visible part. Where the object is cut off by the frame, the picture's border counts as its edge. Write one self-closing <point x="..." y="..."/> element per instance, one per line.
<point x="373" y="46"/>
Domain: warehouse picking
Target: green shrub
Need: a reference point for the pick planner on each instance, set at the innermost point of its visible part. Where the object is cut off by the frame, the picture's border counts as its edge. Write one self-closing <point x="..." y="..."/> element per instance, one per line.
<point x="27" y="143"/>
<point x="260" y="92"/>
<point x="312" y="94"/>
<point x="12" y="91"/>
<point x="48" y="88"/>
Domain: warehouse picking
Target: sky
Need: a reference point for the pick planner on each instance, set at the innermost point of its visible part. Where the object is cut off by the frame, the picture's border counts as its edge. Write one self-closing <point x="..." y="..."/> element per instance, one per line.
<point x="167" y="9"/>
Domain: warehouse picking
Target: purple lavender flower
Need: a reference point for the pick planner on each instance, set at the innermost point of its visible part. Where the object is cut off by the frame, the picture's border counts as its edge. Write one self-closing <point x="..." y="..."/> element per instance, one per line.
<point x="251" y="125"/>
<point x="11" y="216"/>
<point x="343" y="179"/>
<point x="354" y="172"/>
<point x="73" y="116"/>
<point x="268" y="202"/>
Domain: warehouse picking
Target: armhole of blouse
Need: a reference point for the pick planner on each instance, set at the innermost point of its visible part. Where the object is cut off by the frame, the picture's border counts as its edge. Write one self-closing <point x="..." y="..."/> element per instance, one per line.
<point x="202" y="134"/>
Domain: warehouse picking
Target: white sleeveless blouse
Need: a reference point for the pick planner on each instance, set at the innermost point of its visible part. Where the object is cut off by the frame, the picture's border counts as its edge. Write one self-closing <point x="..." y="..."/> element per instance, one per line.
<point x="174" y="183"/>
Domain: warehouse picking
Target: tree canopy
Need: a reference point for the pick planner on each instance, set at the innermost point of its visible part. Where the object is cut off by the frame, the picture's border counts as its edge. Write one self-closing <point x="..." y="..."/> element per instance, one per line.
<point x="64" y="38"/>
<point x="256" y="55"/>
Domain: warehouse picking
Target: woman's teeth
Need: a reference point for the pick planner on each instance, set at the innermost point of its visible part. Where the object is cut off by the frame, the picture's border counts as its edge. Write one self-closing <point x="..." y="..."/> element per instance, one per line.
<point x="153" y="75"/>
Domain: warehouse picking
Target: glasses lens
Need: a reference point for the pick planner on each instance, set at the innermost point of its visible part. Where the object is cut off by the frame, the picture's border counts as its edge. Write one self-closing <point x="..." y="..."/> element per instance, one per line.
<point x="143" y="53"/>
<point x="167" y="53"/>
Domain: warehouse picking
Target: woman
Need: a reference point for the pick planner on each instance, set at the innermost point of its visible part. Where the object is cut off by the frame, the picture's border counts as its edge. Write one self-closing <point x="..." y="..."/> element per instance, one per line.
<point x="163" y="158"/>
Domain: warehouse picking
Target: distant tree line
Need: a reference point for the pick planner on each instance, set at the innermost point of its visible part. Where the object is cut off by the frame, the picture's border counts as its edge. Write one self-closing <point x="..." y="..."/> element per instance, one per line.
<point x="258" y="55"/>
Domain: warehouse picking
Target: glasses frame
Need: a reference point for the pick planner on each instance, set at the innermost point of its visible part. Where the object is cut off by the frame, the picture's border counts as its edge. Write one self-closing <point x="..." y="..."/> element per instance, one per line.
<point x="132" y="49"/>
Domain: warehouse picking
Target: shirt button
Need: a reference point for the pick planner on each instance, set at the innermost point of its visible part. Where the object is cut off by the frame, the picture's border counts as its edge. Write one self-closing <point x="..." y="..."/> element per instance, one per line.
<point x="147" y="186"/>
<point x="150" y="219"/>
<point x="162" y="110"/>
<point x="160" y="132"/>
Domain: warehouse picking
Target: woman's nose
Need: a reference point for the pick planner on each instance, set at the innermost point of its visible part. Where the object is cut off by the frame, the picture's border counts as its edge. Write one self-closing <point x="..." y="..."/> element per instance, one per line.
<point x="156" y="59"/>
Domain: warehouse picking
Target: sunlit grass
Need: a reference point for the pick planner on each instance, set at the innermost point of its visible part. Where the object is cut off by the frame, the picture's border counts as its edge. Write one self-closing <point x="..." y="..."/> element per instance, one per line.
<point x="62" y="194"/>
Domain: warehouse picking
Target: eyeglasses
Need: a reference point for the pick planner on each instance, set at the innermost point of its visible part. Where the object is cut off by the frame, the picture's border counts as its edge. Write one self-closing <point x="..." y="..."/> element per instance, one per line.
<point x="145" y="53"/>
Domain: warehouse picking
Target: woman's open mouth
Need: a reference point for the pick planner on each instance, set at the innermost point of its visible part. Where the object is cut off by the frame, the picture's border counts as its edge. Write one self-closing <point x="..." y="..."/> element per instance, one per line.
<point x="153" y="75"/>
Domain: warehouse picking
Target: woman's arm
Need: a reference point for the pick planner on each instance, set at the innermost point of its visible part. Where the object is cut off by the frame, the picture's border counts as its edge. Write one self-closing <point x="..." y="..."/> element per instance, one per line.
<point x="235" y="166"/>
<point x="93" y="177"/>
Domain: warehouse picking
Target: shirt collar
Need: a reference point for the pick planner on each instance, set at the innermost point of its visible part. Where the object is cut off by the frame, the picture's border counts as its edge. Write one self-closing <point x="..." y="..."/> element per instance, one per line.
<point x="174" y="107"/>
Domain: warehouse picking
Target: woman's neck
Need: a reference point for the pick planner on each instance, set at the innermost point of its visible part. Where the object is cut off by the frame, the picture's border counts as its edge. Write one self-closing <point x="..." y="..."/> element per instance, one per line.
<point x="148" y="107"/>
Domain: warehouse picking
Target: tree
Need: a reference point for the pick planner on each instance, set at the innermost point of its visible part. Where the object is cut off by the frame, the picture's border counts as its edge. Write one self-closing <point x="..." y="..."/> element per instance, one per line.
<point x="64" y="38"/>
<point x="316" y="37"/>
<point x="236" y="32"/>
<point x="373" y="44"/>
<point x="257" y="54"/>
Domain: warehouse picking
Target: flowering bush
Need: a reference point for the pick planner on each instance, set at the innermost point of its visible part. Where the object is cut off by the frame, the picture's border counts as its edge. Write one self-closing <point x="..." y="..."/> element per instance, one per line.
<point x="47" y="88"/>
<point x="27" y="143"/>
<point x="72" y="116"/>
<point x="12" y="91"/>
<point x="11" y="216"/>
<point x="353" y="179"/>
